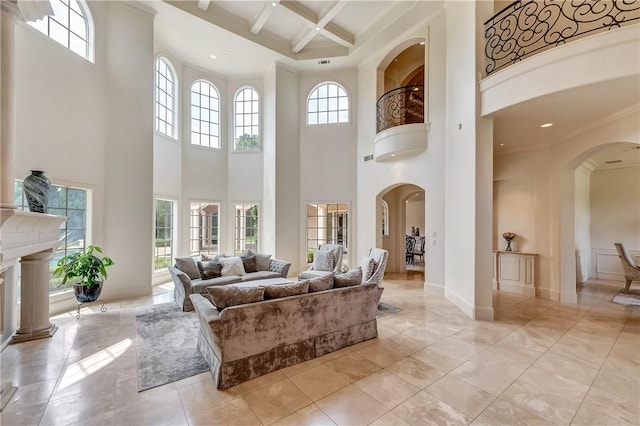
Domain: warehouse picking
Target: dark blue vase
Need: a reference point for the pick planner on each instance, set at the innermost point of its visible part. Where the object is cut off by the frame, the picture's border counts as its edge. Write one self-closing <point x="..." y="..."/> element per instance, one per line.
<point x="36" y="188"/>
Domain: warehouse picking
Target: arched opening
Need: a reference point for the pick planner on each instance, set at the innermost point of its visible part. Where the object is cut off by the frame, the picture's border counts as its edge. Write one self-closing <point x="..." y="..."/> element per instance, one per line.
<point x="404" y="207"/>
<point x="600" y="206"/>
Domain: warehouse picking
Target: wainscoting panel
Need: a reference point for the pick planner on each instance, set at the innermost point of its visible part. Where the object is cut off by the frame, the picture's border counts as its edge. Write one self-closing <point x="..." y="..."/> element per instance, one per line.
<point x="608" y="265"/>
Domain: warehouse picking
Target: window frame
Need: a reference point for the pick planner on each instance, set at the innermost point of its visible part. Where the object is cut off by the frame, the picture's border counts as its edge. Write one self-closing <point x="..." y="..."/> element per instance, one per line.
<point x="239" y="244"/>
<point x="210" y="111"/>
<point x="173" y="233"/>
<point x="319" y="241"/>
<point x="85" y="13"/>
<point x="191" y="227"/>
<point x="156" y="101"/>
<point x="235" y="119"/>
<point x="326" y="99"/>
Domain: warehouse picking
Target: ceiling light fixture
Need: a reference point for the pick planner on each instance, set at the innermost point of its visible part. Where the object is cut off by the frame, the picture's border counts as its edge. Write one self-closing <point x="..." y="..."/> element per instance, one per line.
<point x="274" y="4"/>
<point x="317" y="28"/>
<point x="545" y="125"/>
<point x="213" y="56"/>
<point x="422" y="43"/>
<point x="501" y="144"/>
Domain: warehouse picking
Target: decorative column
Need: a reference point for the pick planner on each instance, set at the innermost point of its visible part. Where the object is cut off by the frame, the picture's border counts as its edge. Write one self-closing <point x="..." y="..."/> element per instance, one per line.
<point x="34" y="298"/>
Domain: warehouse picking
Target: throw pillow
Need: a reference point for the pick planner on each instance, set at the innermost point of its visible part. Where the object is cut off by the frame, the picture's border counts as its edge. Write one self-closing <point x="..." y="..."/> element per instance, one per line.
<point x="285" y="290"/>
<point x="232" y="266"/>
<point x="210" y="269"/>
<point x="368" y="265"/>
<point x="189" y="266"/>
<point x="230" y="295"/>
<point x="262" y="261"/>
<point x="321" y="283"/>
<point x="249" y="262"/>
<point x="212" y="256"/>
<point x="323" y="260"/>
<point x="353" y="277"/>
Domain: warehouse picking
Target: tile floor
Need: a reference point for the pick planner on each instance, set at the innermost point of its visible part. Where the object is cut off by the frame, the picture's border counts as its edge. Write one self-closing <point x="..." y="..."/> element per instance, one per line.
<point x="540" y="362"/>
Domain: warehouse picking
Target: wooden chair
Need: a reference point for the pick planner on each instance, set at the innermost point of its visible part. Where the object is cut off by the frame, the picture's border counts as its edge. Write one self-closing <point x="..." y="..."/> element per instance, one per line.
<point x="631" y="270"/>
<point x="410" y="244"/>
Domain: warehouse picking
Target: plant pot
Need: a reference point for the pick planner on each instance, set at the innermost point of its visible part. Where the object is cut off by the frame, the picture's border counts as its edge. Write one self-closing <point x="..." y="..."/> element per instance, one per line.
<point x="86" y="294"/>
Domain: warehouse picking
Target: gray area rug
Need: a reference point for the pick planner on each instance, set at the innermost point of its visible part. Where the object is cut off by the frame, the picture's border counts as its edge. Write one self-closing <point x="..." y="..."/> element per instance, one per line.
<point x="630" y="299"/>
<point x="167" y="345"/>
<point x="386" y="309"/>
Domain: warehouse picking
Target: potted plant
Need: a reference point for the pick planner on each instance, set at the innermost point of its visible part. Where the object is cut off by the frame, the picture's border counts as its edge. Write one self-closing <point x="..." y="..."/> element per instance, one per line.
<point x="90" y="268"/>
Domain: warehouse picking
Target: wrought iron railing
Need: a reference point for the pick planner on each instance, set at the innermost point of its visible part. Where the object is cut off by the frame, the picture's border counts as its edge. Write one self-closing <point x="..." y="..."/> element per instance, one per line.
<point x="526" y="27"/>
<point x="404" y="105"/>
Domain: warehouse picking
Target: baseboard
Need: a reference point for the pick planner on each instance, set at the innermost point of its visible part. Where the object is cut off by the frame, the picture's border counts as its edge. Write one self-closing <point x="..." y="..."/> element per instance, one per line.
<point x="459" y="302"/>
<point x="544" y="293"/>
<point x="484" y="314"/>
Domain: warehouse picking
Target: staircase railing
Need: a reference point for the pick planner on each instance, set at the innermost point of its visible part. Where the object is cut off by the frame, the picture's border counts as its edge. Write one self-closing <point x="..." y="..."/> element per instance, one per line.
<point x="527" y="27"/>
<point x="404" y="105"/>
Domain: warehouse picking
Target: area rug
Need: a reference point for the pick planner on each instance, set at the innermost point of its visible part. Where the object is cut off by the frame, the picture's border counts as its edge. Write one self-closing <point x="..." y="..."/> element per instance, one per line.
<point x="630" y="299"/>
<point x="386" y="309"/>
<point x="167" y="345"/>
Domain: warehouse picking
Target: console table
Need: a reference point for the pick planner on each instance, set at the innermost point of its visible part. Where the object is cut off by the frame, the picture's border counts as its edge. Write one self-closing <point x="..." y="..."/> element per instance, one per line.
<point x="515" y="272"/>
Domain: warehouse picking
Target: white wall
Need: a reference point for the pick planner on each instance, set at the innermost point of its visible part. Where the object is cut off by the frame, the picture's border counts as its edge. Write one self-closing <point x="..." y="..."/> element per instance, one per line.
<point x="94" y="130"/>
<point x="582" y="223"/>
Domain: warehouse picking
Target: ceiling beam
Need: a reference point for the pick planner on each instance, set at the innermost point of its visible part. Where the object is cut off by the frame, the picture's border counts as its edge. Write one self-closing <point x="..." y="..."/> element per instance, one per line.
<point x="263" y="16"/>
<point x="321" y="23"/>
<point x="203" y="5"/>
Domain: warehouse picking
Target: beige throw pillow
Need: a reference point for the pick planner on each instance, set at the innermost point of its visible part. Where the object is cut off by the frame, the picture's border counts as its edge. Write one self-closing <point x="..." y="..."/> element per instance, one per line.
<point x="353" y="277"/>
<point x="189" y="266"/>
<point x="230" y="295"/>
<point x="285" y="290"/>
<point x="321" y="283"/>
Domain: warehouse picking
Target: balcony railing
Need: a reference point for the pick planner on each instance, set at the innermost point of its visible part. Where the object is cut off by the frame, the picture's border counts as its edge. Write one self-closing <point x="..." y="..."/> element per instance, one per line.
<point x="404" y="105"/>
<point x="527" y="27"/>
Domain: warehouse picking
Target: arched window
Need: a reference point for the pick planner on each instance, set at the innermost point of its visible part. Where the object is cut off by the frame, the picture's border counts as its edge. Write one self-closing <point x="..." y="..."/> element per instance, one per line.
<point x="328" y="103"/>
<point x="205" y="115"/>
<point x="165" y="98"/>
<point x="247" y="120"/>
<point x="70" y="25"/>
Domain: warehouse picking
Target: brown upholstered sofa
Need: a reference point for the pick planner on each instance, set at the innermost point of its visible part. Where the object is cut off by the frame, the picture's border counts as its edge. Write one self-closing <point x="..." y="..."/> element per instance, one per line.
<point x="185" y="285"/>
<point x="246" y="341"/>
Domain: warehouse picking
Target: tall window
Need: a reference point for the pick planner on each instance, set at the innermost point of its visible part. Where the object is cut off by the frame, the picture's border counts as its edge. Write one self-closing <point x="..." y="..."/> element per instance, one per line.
<point x="165" y="98"/>
<point x="246" y="229"/>
<point x="205" y="115"/>
<point x="247" y="120"/>
<point x="204" y="228"/>
<point x="328" y="103"/>
<point x="327" y="224"/>
<point x="164" y="246"/>
<point x="70" y="25"/>
<point x="63" y="201"/>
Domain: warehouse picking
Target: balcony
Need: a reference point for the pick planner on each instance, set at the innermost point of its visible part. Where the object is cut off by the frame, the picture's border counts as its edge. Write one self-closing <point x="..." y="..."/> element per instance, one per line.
<point x="400" y="127"/>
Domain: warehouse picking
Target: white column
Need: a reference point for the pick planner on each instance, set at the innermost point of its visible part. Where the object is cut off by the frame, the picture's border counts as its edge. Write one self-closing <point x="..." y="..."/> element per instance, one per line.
<point x="34" y="298"/>
<point x="10" y="15"/>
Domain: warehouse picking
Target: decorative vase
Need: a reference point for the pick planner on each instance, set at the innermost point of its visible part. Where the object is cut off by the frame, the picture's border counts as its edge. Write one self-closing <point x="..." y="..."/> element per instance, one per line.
<point x="86" y="294"/>
<point x="36" y="189"/>
<point x="508" y="240"/>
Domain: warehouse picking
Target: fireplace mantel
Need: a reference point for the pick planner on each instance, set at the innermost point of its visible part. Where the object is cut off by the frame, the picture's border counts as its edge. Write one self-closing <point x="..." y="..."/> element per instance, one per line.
<point x="23" y="233"/>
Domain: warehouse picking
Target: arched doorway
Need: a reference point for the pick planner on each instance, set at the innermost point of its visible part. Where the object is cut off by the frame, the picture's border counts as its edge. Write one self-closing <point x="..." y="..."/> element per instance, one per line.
<point x="399" y="208"/>
<point x="586" y="241"/>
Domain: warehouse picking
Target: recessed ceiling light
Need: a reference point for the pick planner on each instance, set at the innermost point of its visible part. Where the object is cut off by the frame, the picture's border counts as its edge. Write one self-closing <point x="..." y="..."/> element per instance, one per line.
<point x="213" y="56"/>
<point x="274" y="4"/>
<point x="393" y="155"/>
<point x="501" y="144"/>
<point x="317" y="28"/>
<point x="422" y="43"/>
<point x="546" y="125"/>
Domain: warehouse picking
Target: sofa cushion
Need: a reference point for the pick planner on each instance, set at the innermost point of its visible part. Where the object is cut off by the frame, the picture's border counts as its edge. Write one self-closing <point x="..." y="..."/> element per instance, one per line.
<point x="260" y="275"/>
<point x="231" y="295"/>
<point x="262" y="261"/>
<point x="249" y="262"/>
<point x="285" y="290"/>
<point x="210" y="269"/>
<point x="200" y="286"/>
<point x="321" y="283"/>
<point x="189" y="266"/>
<point x="212" y="256"/>
<point x="232" y="266"/>
<point x="324" y="260"/>
<point x="353" y="277"/>
<point x="368" y="265"/>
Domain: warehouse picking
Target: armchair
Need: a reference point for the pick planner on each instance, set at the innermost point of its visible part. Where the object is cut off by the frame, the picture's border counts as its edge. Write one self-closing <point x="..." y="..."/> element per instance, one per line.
<point x="631" y="270"/>
<point x="380" y="257"/>
<point x="324" y="263"/>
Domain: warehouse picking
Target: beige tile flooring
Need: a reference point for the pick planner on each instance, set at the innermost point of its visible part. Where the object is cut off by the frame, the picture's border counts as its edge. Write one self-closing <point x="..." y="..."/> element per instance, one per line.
<point x="540" y="362"/>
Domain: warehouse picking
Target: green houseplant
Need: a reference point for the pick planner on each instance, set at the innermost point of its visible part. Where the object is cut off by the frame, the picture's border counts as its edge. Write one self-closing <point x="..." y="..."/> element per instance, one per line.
<point x="88" y="268"/>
